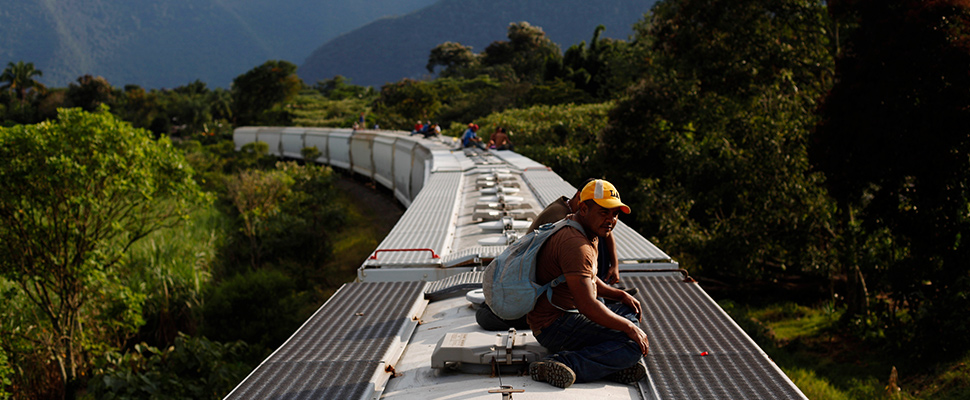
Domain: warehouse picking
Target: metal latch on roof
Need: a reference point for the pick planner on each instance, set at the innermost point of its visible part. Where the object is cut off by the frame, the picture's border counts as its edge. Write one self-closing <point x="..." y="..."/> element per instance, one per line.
<point x="509" y="343"/>
<point x="506" y="391"/>
<point x="511" y="237"/>
<point x="508" y="223"/>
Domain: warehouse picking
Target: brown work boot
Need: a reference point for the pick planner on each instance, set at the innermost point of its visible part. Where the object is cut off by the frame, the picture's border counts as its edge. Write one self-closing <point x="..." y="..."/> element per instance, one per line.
<point x="554" y="372"/>
<point x="629" y="375"/>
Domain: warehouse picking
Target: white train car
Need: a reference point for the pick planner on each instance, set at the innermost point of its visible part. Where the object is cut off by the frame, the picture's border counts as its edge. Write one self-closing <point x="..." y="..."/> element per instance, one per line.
<point x="406" y="329"/>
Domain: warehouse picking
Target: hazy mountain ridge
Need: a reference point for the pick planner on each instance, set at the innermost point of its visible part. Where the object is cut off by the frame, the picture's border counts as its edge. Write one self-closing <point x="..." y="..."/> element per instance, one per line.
<point x="389" y="49"/>
<point x="167" y="43"/>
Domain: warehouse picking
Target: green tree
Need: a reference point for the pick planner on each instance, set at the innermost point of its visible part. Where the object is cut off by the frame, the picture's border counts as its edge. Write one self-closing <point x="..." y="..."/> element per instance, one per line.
<point x="406" y="101"/>
<point x="137" y="106"/>
<point x="603" y="69"/>
<point x="220" y="105"/>
<point x="19" y="78"/>
<point x="529" y="53"/>
<point x="464" y="100"/>
<point x="259" y="94"/>
<point x="90" y="93"/>
<point x="340" y="88"/>
<point x="190" y="108"/>
<point x="711" y="145"/>
<point x="257" y="196"/>
<point x="75" y="193"/>
<point x="454" y="58"/>
<point x="893" y="145"/>
<point x="299" y="239"/>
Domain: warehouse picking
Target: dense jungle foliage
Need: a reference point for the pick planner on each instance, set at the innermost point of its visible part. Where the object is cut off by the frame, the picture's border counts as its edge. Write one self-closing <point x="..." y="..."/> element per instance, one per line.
<point x="806" y="160"/>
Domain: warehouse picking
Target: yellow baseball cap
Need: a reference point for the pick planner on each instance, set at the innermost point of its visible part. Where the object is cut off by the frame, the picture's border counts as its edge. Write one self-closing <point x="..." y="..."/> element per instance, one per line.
<point x="604" y="194"/>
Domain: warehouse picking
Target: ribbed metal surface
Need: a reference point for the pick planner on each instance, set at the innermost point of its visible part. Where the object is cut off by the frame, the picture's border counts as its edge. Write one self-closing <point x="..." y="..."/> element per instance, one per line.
<point x="449" y="161"/>
<point x="335" y="354"/>
<point x="546" y="185"/>
<point x="517" y="160"/>
<point x="463" y="278"/>
<point x="630" y="246"/>
<point x="466" y="255"/>
<point x="682" y="322"/>
<point x="426" y="224"/>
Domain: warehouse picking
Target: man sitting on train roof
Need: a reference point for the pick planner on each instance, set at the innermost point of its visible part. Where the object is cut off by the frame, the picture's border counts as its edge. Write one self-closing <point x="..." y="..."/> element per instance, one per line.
<point x="469" y="138"/>
<point x="600" y="340"/>
<point x="607" y="263"/>
<point x="500" y="140"/>
<point x="418" y="128"/>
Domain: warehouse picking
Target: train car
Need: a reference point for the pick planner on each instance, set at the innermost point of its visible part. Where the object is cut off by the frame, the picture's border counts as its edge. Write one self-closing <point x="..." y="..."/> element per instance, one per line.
<point x="406" y="327"/>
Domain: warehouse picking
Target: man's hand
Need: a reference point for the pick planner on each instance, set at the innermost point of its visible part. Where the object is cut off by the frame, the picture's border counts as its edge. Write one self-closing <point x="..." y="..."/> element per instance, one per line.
<point x="613" y="275"/>
<point x="638" y="336"/>
<point x="633" y="303"/>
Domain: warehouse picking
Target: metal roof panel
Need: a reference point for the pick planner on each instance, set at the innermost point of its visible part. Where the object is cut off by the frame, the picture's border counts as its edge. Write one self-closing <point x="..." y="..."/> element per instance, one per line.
<point x="337" y="352"/>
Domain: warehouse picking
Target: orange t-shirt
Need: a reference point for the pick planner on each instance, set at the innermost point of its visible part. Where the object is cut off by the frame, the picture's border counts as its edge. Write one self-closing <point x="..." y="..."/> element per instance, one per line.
<point x="568" y="252"/>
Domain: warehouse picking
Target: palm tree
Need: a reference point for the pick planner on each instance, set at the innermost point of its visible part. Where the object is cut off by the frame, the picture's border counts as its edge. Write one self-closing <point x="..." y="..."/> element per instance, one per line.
<point x="20" y="78"/>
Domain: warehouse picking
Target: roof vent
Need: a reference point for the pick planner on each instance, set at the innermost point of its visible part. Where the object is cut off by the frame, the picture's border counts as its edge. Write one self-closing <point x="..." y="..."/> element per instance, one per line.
<point x="478" y="351"/>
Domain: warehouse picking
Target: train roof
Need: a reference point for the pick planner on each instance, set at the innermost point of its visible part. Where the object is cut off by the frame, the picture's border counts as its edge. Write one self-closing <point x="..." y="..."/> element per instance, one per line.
<point x="405" y="329"/>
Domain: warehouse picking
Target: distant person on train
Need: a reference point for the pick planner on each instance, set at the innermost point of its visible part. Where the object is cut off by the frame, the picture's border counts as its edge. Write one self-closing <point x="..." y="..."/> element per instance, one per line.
<point x="469" y="138"/>
<point x="418" y="128"/>
<point x="608" y="265"/>
<point x="500" y="140"/>
<point x="433" y="130"/>
<point x="600" y="341"/>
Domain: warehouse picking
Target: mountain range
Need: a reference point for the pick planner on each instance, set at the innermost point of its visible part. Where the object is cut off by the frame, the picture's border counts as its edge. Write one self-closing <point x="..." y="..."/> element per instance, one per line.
<point x="393" y="48"/>
<point x="169" y="43"/>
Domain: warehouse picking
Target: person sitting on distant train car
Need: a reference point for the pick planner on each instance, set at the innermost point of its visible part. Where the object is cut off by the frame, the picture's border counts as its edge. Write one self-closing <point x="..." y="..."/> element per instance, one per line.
<point x="500" y="140"/>
<point x="418" y="126"/>
<point x="469" y="138"/>
<point x="600" y="341"/>
<point x="432" y="130"/>
<point x="608" y="265"/>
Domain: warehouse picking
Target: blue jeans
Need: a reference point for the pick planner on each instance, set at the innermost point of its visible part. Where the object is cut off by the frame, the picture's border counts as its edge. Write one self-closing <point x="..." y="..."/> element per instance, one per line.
<point x="591" y="350"/>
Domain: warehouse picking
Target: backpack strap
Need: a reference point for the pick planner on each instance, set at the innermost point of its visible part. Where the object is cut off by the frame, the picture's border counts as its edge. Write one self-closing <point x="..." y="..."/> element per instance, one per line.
<point x="547" y="288"/>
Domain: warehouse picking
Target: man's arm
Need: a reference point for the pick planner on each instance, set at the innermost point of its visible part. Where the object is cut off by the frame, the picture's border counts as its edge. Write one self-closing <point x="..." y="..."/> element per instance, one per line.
<point x="614" y="272"/>
<point x="612" y="293"/>
<point x="582" y="289"/>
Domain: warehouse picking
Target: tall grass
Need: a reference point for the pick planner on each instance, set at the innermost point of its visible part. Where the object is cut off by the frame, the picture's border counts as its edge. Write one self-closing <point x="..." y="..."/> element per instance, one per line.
<point x="173" y="267"/>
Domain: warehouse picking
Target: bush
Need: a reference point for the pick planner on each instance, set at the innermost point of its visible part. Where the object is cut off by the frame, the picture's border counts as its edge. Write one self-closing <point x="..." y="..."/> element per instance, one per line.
<point x="313" y="109"/>
<point x="261" y="307"/>
<point x="193" y="368"/>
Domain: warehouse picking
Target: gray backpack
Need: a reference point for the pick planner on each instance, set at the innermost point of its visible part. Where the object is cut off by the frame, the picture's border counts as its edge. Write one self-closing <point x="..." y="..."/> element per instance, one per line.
<point x="510" y="284"/>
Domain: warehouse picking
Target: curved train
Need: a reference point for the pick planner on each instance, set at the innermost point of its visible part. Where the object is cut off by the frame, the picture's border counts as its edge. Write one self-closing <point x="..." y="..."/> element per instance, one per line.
<point x="405" y="329"/>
